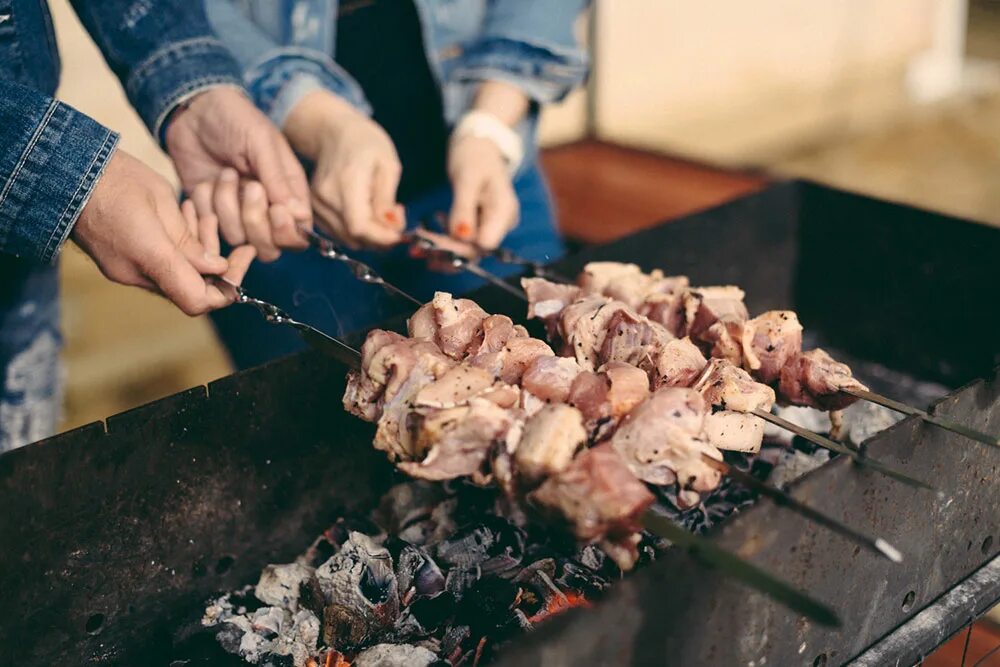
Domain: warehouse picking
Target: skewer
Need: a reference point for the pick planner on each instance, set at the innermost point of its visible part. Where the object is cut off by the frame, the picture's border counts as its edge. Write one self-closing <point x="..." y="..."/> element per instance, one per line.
<point x="785" y="499"/>
<point x="361" y="271"/>
<point x="460" y="263"/>
<point x="660" y="526"/>
<point x="946" y="424"/>
<point x="833" y="446"/>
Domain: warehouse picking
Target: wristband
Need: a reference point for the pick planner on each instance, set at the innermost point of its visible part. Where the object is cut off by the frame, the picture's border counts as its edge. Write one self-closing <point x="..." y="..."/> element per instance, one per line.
<point x="484" y="125"/>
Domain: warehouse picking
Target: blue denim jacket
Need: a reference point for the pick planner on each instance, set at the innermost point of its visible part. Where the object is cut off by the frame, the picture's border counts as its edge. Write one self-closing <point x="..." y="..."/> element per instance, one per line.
<point x="286" y="47"/>
<point x="51" y="155"/>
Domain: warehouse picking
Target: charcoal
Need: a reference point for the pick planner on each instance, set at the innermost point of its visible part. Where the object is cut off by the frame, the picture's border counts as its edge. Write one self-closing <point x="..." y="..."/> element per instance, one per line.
<point x="279" y="585"/>
<point x="459" y="580"/>
<point x="433" y="612"/>
<point x="493" y="544"/>
<point x="418" y="570"/>
<point x="544" y="565"/>
<point x="395" y="655"/>
<point x="360" y="589"/>
<point x="487" y="605"/>
<point x="583" y="579"/>
<point x="454" y="639"/>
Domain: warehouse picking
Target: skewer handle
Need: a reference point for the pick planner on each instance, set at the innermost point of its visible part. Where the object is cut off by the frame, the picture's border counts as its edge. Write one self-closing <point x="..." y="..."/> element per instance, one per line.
<point x="783" y="498"/>
<point x="709" y="553"/>
<point x="833" y="446"/>
<point x="946" y="424"/>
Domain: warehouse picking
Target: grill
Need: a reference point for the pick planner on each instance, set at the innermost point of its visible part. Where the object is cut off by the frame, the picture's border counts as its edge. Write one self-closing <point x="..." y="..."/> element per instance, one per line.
<point x="114" y="535"/>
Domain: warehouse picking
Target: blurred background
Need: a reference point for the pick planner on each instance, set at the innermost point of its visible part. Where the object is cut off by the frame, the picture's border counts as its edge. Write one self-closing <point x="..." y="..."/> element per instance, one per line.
<point x="897" y="98"/>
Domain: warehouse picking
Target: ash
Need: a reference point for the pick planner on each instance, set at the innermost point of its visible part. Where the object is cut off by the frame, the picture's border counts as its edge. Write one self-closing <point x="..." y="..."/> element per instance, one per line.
<point x="446" y="574"/>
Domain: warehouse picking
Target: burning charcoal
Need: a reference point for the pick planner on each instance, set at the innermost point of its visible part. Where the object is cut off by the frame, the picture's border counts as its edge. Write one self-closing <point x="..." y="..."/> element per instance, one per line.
<point x="584" y="579"/>
<point x="454" y="639"/>
<point x="418" y="571"/>
<point x="360" y="590"/>
<point x="459" y="580"/>
<point x="494" y="545"/>
<point x="395" y="655"/>
<point x="406" y="503"/>
<point x="487" y="605"/>
<point x="593" y="558"/>
<point x="279" y="585"/>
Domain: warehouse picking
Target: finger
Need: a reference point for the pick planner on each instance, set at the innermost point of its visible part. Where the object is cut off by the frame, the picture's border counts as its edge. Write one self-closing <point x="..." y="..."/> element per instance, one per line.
<point x="226" y="202"/>
<point x="462" y="222"/>
<point x="499" y="215"/>
<point x="384" y="187"/>
<point x="358" y="214"/>
<point x="299" y="206"/>
<point x="283" y="228"/>
<point x="256" y="223"/>
<point x="239" y="262"/>
<point x="181" y="226"/>
<point x="202" y="198"/>
<point x="333" y="223"/>
<point x="268" y="162"/>
<point x="190" y="216"/>
<point x="208" y="233"/>
<point x="178" y="280"/>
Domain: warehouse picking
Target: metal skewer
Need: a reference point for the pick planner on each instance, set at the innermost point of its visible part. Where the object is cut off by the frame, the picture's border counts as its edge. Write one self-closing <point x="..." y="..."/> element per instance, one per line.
<point x="833" y="446"/>
<point x="700" y="547"/>
<point x="946" y="424"/>
<point x="361" y="271"/>
<point x="465" y="264"/>
<point x="785" y="499"/>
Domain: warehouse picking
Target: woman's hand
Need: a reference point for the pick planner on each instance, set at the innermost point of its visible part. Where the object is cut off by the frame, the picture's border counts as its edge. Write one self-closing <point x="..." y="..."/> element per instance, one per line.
<point x="485" y="207"/>
<point x="356" y="171"/>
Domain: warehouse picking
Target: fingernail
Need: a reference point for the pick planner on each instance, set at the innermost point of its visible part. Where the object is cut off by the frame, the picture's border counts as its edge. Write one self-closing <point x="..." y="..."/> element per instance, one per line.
<point x="390" y="216"/>
<point x="228" y="175"/>
<point x="212" y="257"/>
<point x="417" y="252"/>
<point x="463" y="229"/>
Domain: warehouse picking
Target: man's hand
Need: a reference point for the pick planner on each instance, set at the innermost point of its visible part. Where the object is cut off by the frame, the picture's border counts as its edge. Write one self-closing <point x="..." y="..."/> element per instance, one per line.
<point x="357" y="170"/>
<point x="137" y="235"/>
<point x="485" y="207"/>
<point x="220" y="134"/>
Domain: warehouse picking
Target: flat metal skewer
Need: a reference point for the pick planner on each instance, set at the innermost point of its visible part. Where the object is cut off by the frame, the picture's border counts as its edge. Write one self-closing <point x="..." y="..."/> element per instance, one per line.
<point x="946" y="424"/>
<point x="833" y="446"/>
<point x="785" y="499"/>
<point x="359" y="269"/>
<point x="465" y="264"/>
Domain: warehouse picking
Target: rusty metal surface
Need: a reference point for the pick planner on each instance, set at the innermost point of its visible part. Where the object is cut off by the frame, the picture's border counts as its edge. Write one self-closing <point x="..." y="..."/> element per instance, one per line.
<point x="136" y="527"/>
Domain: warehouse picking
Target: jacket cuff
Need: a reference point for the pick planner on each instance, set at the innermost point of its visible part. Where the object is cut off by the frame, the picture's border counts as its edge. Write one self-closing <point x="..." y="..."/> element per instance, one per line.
<point x="53" y="181"/>
<point x="174" y="73"/>
<point x="278" y="83"/>
<point x="543" y="73"/>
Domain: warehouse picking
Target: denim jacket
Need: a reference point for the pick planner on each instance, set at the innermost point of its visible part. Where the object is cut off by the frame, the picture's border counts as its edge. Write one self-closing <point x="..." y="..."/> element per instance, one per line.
<point x="51" y="155"/>
<point x="286" y="48"/>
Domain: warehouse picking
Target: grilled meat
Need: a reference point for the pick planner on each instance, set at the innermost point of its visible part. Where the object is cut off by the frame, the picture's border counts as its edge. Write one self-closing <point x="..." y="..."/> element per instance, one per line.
<point x="774" y="338"/>
<point x="550" y="439"/>
<point x="605" y="397"/>
<point x="549" y="378"/>
<point x="815" y="379"/>
<point x="704" y="306"/>
<point x="454" y="325"/>
<point x="583" y="326"/>
<point x="662" y="440"/>
<point x="732" y="394"/>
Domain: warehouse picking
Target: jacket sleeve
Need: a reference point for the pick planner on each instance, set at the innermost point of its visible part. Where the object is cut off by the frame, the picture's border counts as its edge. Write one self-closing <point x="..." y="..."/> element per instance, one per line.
<point x="163" y="51"/>
<point x="278" y="76"/>
<point x="530" y="44"/>
<point x="51" y="156"/>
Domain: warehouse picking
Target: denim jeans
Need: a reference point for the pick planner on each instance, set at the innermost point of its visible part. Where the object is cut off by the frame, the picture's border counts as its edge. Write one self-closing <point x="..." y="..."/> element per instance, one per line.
<point x="29" y="353"/>
<point x="323" y="293"/>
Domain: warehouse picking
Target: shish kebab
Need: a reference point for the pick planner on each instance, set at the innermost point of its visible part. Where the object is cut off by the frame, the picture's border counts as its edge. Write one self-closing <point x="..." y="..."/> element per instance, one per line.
<point x="761" y="411"/>
<point x="595" y="482"/>
<point x="659" y="305"/>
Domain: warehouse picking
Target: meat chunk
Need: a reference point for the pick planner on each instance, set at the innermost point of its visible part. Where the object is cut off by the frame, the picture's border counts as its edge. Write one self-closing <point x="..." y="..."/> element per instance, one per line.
<point x="583" y="327"/>
<point x="388" y="360"/>
<point x="550" y="439"/>
<point x="597" y="496"/>
<point x="678" y="364"/>
<point x="462" y="383"/>
<point x="728" y="338"/>
<point x="455" y="325"/>
<point x="774" y="338"/>
<point x="733" y="394"/>
<point x="511" y="361"/>
<point x="666" y="308"/>
<point x="703" y="306"/>
<point x="604" y="398"/>
<point x="549" y="378"/>
<point x="633" y="339"/>
<point x="814" y="379"/>
<point x="662" y="441"/>
<point x="456" y="442"/>
<point x="623" y="282"/>
<point x="547" y="299"/>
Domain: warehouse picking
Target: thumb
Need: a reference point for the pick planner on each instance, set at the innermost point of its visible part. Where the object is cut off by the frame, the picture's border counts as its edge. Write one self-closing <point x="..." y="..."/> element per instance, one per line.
<point x="462" y="221"/>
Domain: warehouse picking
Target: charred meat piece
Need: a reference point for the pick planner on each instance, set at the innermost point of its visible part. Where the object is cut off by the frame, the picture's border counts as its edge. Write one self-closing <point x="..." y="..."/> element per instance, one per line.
<point x="456" y="442"/>
<point x="814" y="379"/>
<point x="550" y="439"/>
<point x="774" y="338"/>
<point x="662" y="440"/>
<point x="733" y="394"/>
<point x="633" y="339"/>
<point x="703" y="306"/>
<point x="583" y="327"/>
<point x="455" y="325"/>
<point x="597" y="496"/>
<point x="678" y="364"/>
<point x="604" y="398"/>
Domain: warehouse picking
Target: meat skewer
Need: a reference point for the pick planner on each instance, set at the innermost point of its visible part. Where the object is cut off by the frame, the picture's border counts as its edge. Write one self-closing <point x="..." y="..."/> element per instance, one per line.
<point x="768" y="345"/>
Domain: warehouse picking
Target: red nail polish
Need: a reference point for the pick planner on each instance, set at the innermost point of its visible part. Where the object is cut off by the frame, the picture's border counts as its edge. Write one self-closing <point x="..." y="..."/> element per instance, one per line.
<point x="417" y="252"/>
<point x="390" y="216"/>
<point x="463" y="229"/>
